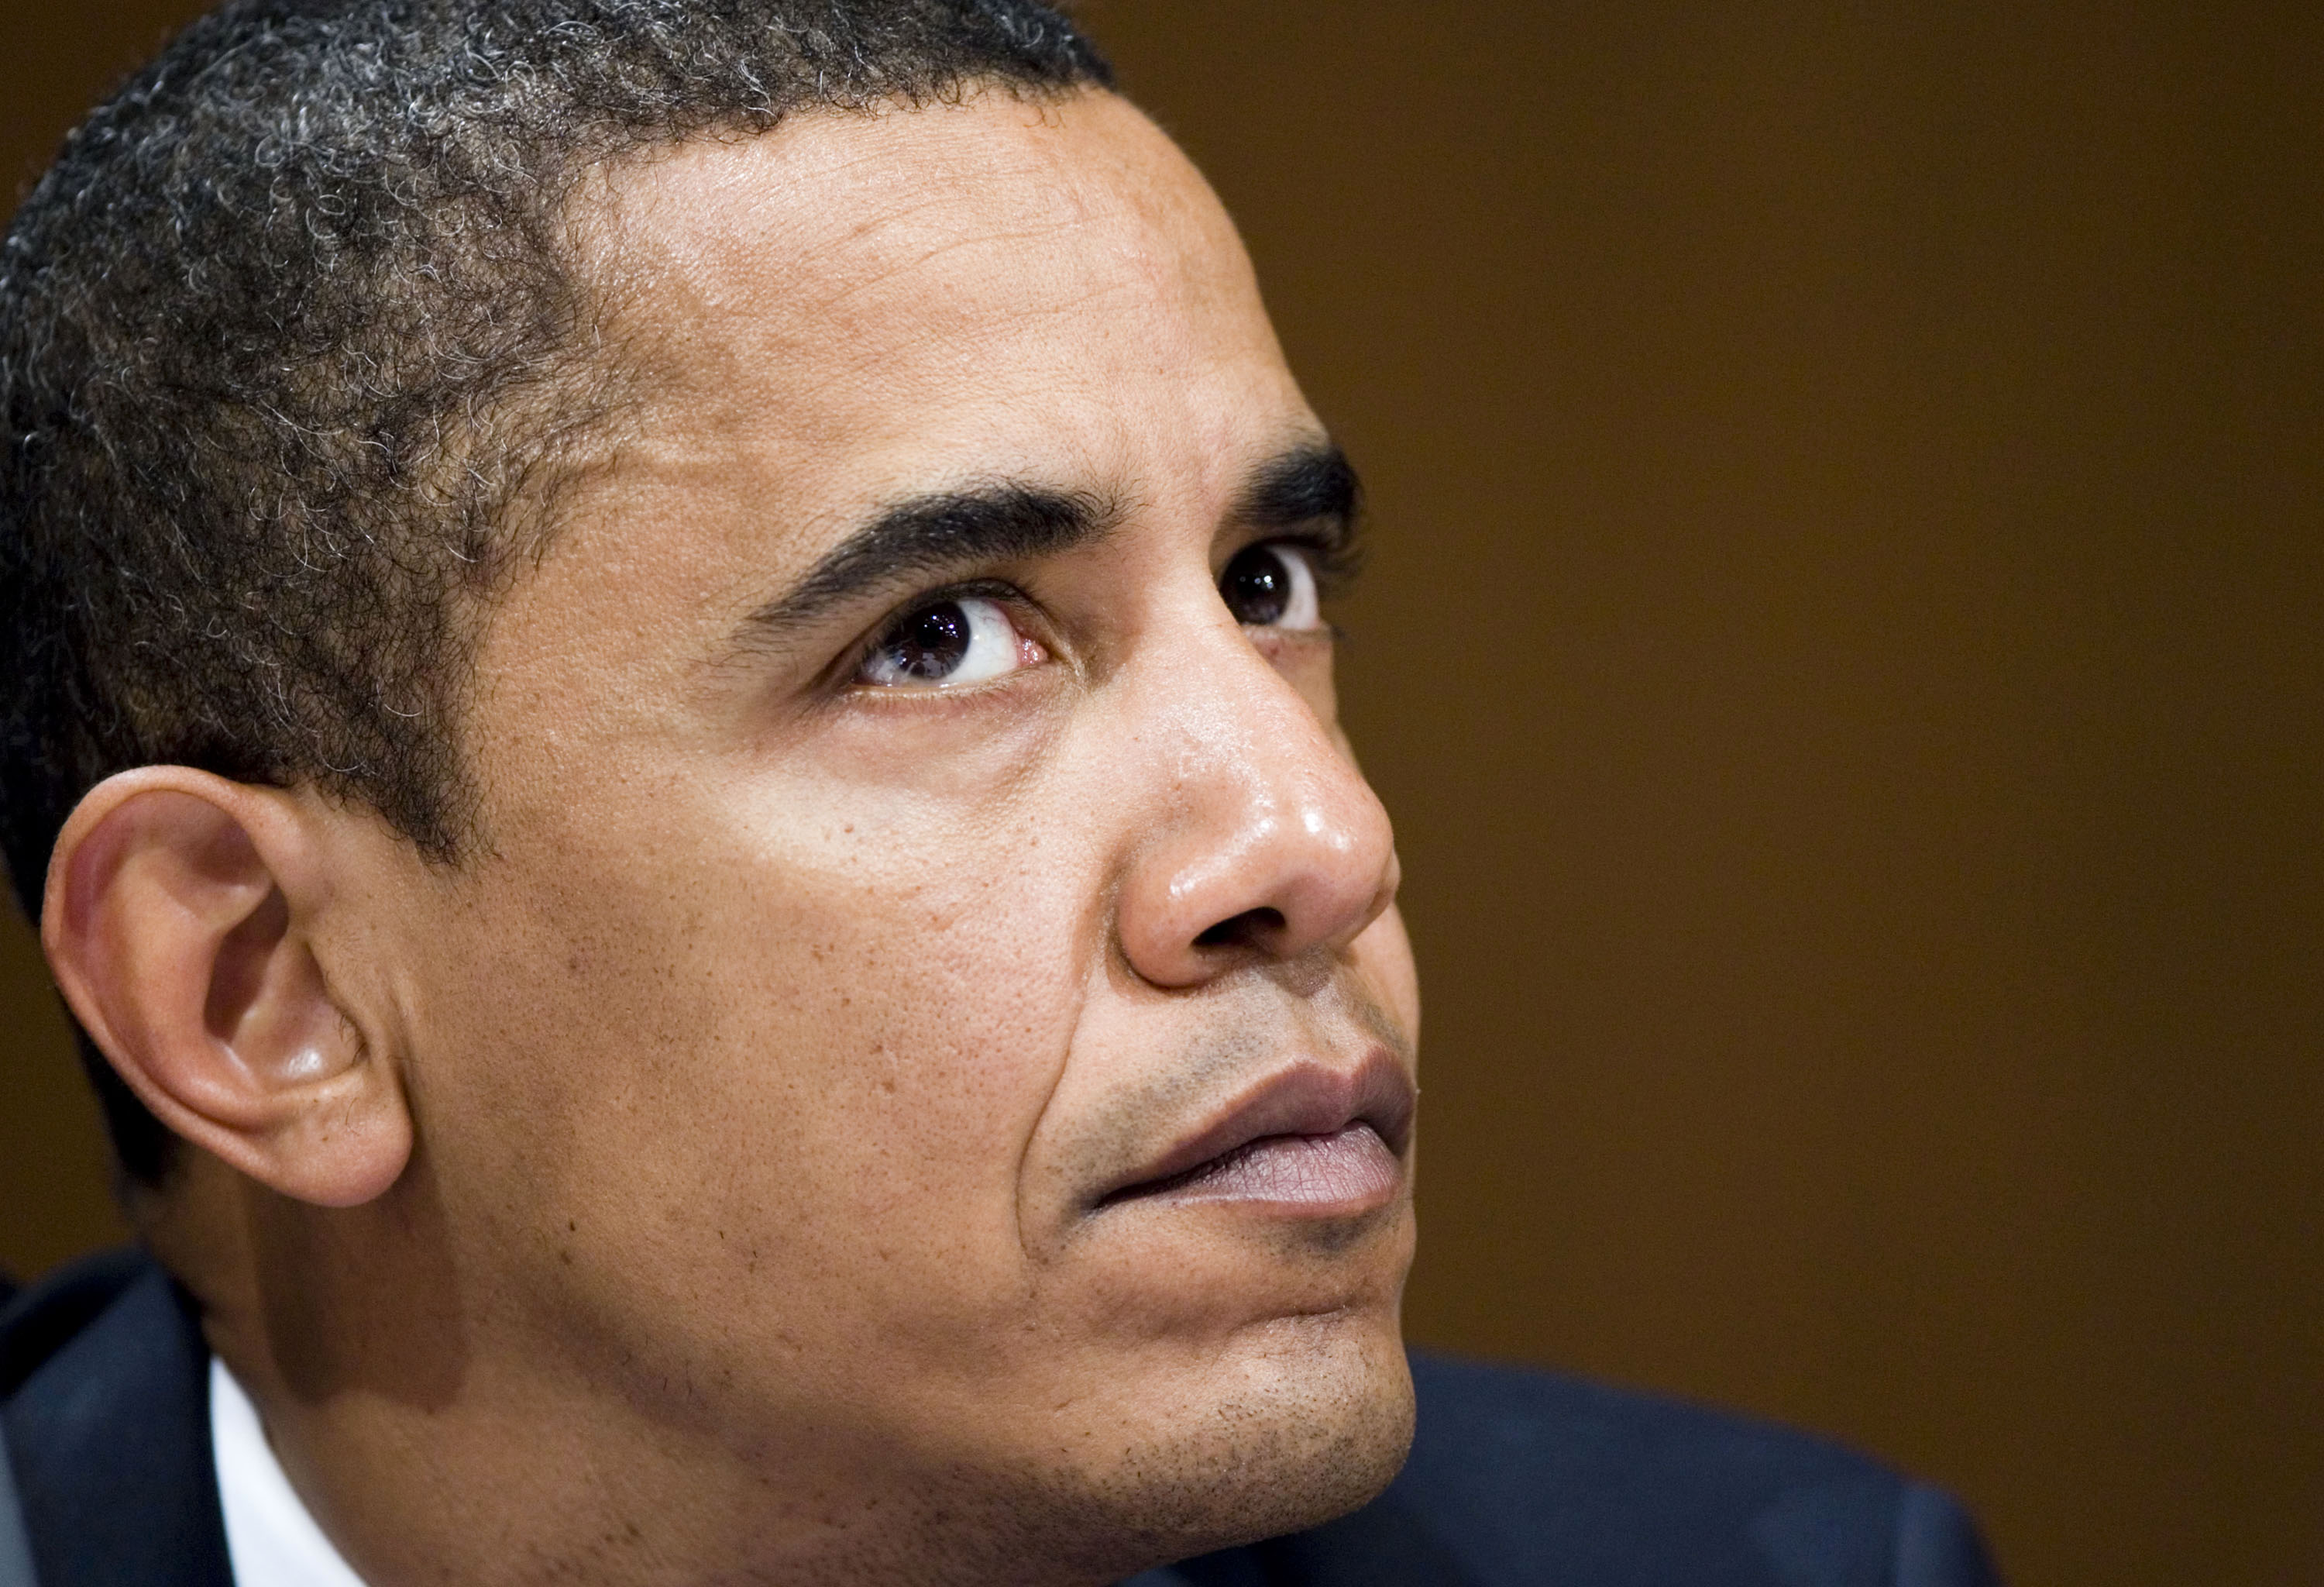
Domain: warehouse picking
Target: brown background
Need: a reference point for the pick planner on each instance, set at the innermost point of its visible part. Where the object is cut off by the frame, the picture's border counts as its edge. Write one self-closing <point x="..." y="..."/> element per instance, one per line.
<point x="1844" y="654"/>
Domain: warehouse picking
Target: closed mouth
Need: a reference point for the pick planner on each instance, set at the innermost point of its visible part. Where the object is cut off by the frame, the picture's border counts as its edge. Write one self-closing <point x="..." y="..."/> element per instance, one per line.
<point x="1308" y="1137"/>
<point x="1352" y="1166"/>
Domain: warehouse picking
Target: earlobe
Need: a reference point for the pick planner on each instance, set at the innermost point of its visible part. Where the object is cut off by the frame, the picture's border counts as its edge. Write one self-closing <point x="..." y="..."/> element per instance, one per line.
<point x="179" y="922"/>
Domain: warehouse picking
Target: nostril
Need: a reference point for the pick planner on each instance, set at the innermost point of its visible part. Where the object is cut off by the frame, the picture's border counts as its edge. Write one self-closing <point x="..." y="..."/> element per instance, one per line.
<point x="1242" y="930"/>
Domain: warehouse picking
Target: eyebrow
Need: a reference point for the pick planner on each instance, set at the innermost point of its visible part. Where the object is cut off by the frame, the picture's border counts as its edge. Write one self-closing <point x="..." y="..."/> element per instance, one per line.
<point x="1311" y="486"/>
<point x="928" y="534"/>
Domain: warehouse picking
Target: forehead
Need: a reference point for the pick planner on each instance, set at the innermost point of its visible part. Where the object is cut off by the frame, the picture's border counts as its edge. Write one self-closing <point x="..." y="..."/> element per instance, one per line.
<point x="887" y="295"/>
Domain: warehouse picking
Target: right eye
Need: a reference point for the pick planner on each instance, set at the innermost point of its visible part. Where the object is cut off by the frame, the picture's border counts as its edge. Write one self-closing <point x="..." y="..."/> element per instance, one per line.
<point x="947" y="644"/>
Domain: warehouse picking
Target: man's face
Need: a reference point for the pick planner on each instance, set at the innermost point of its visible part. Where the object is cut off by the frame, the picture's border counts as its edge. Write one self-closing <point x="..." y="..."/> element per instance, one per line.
<point x="931" y="1013"/>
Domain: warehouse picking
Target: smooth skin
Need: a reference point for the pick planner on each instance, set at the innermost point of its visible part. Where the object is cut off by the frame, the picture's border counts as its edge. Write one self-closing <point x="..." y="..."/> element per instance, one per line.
<point x="707" y="1179"/>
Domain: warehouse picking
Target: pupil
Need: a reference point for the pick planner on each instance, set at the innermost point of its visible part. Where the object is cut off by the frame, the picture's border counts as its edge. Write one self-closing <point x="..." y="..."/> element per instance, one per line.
<point x="933" y="644"/>
<point x="1257" y="587"/>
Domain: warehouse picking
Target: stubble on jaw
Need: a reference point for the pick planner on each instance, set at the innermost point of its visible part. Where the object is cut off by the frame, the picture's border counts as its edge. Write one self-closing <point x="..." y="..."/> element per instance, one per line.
<point x="1319" y="1437"/>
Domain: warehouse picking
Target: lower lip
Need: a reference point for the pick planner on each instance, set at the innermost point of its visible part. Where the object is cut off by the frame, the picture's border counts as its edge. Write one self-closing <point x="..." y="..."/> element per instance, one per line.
<point x="1351" y="1170"/>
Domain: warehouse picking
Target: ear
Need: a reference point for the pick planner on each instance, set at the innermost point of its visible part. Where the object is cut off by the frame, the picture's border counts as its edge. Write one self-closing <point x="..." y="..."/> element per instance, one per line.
<point x="178" y="921"/>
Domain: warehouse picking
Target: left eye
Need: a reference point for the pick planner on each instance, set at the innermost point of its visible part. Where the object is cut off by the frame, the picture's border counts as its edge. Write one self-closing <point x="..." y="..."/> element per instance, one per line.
<point x="962" y="640"/>
<point x="1271" y="587"/>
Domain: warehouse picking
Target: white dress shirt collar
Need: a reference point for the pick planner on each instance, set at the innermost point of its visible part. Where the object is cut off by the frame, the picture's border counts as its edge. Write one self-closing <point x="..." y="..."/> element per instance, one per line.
<point x="270" y="1540"/>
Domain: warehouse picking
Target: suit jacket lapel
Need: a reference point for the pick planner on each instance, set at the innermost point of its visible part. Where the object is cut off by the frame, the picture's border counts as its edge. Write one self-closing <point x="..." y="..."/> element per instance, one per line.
<point x="1386" y="1543"/>
<point x="15" y="1554"/>
<point x="110" y="1440"/>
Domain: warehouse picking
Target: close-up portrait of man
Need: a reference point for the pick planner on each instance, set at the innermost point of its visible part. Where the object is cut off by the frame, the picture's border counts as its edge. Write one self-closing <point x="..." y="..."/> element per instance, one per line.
<point x="670" y="722"/>
<point x="670" y="726"/>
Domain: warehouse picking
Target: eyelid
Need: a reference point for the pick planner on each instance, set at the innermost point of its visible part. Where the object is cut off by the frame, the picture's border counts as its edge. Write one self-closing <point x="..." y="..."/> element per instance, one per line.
<point x="1335" y="555"/>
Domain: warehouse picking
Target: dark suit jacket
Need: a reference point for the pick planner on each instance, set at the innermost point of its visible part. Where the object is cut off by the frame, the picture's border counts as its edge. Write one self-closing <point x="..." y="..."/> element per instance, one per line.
<point x="1517" y="1478"/>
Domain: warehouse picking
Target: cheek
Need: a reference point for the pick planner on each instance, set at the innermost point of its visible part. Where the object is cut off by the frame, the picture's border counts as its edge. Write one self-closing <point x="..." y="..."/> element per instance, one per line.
<point x="1385" y="952"/>
<point x="759" y="1046"/>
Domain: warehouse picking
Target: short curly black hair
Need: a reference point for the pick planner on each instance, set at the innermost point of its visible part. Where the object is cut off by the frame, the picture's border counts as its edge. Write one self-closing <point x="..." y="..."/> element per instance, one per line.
<point x="292" y="337"/>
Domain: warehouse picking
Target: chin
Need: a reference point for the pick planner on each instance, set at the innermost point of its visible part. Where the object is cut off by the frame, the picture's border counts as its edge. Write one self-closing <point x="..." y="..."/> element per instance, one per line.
<point x="1299" y="1421"/>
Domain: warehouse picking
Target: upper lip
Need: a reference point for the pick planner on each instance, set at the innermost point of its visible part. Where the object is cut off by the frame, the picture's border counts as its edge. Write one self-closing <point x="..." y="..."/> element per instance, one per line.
<point x="1305" y="1099"/>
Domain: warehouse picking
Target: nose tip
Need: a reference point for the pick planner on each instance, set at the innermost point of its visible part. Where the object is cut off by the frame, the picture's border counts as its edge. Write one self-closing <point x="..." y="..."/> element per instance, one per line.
<point x="1275" y="853"/>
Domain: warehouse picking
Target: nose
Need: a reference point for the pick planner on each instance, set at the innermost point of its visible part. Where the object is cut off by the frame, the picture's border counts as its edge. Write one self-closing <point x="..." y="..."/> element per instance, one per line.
<point x="1264" y="841"/>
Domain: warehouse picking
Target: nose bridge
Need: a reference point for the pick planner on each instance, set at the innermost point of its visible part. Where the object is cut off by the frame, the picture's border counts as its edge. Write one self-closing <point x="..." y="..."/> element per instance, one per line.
<point x="1267" y="840"/>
